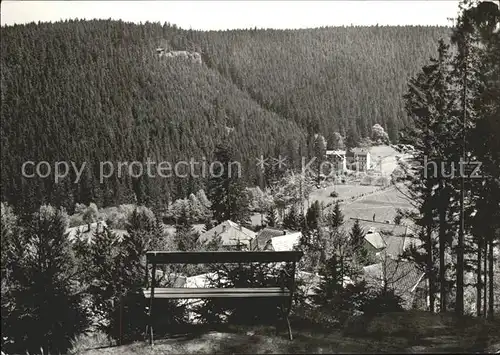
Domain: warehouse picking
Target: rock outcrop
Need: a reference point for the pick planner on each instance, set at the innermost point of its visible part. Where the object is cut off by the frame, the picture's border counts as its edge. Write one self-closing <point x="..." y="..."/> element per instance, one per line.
<point x="194" y="57"/>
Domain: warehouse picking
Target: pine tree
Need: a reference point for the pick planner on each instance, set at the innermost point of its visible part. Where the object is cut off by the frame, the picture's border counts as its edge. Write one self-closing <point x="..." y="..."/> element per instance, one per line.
<point x="313" y="215"/>
<point x="472" y="37"/>
<point x="290" y="220"/>
<point x="335" y="218"/>
<point x="430" y="103"/>
<point x="272" y="217"/>
<point x="319" y="153"/>
<point x="144" y="233"/>
<point x="331" y="285"/>
<point x="48" y="310"/>
<point x="186" y="238"/>
<point x="228" y="195"/>
<point x="337" y="142"/>
<point x="357" y="235"/>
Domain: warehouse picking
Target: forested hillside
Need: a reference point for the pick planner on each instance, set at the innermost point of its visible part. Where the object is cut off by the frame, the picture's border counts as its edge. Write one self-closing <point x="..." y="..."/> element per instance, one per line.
<point x="90" y="91"/>
<point x="325" y="79"/>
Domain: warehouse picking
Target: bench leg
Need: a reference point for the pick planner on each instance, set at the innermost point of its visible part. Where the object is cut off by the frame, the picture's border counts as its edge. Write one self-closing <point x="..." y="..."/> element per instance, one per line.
<point x="149" y="331"/>
<point x="287" y="314"/>
<point x="151" y="335"/>
<point x="279" y="319"/>
<point x="289" y="328"/>
<point x="284" y="314"/>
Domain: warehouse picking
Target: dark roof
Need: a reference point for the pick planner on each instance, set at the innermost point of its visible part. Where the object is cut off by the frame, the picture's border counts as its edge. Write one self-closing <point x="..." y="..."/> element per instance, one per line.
<point x="395" y="236"/>
<point x="360" y="151"/>
<point x="385" y="228"/>
<point x="402" y="276"/>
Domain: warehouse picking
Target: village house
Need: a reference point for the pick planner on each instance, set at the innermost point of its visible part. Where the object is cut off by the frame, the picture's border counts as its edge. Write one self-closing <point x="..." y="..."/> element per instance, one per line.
<point x="392" y="239"/>
<point x="338" y="158"/>
<point x="233" y="235"/>
<point x="403" y="277"/>
<point x="276" y="239"/>
<point x="359" y="159"/>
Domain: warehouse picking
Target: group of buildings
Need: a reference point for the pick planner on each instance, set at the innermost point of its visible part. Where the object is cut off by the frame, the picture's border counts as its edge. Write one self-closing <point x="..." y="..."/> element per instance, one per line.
<point x="384" y="242"/>
<point x="358" y="159"/>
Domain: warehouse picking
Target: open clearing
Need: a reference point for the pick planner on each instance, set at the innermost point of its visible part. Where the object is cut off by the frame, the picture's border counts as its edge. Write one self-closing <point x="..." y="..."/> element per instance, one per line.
<point x="345" y="192"/>
<point x="383" y="204"/>
<point x="360" y="201"/>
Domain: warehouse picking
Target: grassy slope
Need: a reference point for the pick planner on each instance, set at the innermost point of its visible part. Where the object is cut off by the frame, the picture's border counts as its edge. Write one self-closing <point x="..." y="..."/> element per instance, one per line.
<point x="409" y="332"/>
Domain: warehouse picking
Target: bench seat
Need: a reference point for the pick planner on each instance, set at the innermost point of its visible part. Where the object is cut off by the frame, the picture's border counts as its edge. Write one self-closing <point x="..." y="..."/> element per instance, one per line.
<point x="283" y="295"/>
<point x="185" y="292"/>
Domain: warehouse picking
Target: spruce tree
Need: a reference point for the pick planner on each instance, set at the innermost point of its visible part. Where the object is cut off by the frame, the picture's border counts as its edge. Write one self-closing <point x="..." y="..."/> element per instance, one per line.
<point x="430" y="104"/>
<point x="357" y="235"/>
<point x="48" y="310"/>
<point x="331" y="284"/>
<point x="473" y="37"/>
<point x="313" y="215"/>
<point x="294" y="220"/>
<point x="227" y="192"/>
<point x="335" y="218"/>
<point x="272" y="217"/>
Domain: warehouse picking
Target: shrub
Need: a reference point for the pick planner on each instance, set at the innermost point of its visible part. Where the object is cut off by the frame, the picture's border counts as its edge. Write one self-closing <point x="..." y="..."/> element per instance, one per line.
<point x="367" y="180"/>
<point x="241" y="311"/>
<point x="334" y="194"/>
<point x="129" y="307"/>
<point x="115" y="276"/>
<point x="382" y="302"/>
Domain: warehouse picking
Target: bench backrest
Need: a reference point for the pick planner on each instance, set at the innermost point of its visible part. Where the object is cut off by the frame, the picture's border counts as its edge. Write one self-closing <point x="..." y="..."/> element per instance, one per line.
<point x="202" y="257"/>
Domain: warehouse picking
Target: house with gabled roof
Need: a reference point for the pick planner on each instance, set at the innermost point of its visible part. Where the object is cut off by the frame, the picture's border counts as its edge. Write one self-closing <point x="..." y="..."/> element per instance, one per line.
<point x="401" y="276"/>
<point x="393" y="239"/>
<point x="232" y="235"/>
<point x="338" y="158"/>
<point x="276" y="239"/>
<point x="361" y="157"/>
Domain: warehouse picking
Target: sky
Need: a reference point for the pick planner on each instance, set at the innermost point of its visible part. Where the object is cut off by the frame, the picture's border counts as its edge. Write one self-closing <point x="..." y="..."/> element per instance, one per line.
<point x="221" y="15"/>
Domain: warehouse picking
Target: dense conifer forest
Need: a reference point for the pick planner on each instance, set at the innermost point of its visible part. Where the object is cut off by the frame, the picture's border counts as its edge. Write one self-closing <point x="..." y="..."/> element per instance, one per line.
<point x="99" y="92"/>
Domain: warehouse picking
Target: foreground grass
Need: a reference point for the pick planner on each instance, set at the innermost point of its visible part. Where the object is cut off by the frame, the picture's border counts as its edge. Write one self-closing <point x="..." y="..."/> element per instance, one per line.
<point x="409" y="332"/>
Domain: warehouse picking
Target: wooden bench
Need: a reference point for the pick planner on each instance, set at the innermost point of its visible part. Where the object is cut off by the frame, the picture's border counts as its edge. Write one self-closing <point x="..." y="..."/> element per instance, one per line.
<point x="155" y="258"/>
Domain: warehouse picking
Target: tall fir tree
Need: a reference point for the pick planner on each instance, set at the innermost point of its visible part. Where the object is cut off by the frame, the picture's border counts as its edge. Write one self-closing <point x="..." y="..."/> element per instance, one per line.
<point x="272" y="217"/>
<point x="313" y="215"/>
<point x="48" y="310"/>
<point x="227" y="192"/>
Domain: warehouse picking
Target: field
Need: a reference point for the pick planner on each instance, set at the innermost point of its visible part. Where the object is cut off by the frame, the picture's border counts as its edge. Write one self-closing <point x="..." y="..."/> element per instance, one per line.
<point x="404" y="332"/>
<point x="383" y="204"/>
<point x="345" y="192"/>
<point x="360" y="201"/>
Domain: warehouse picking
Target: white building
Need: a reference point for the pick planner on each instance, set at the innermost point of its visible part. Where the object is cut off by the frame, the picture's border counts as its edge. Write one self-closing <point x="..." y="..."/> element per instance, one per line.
<point x="231" y="234"/>
<point x="338" y="157"/>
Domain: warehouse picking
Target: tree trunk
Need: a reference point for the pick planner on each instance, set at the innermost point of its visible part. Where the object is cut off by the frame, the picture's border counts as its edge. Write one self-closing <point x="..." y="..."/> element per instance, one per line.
<point x="490" y="275"/>
<point x="430" y="267"/>
<point x="442" y="248"/>
<point x="459" y="300"/>
<point x="485" y="283"/>
<point x="479" y="286"/>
